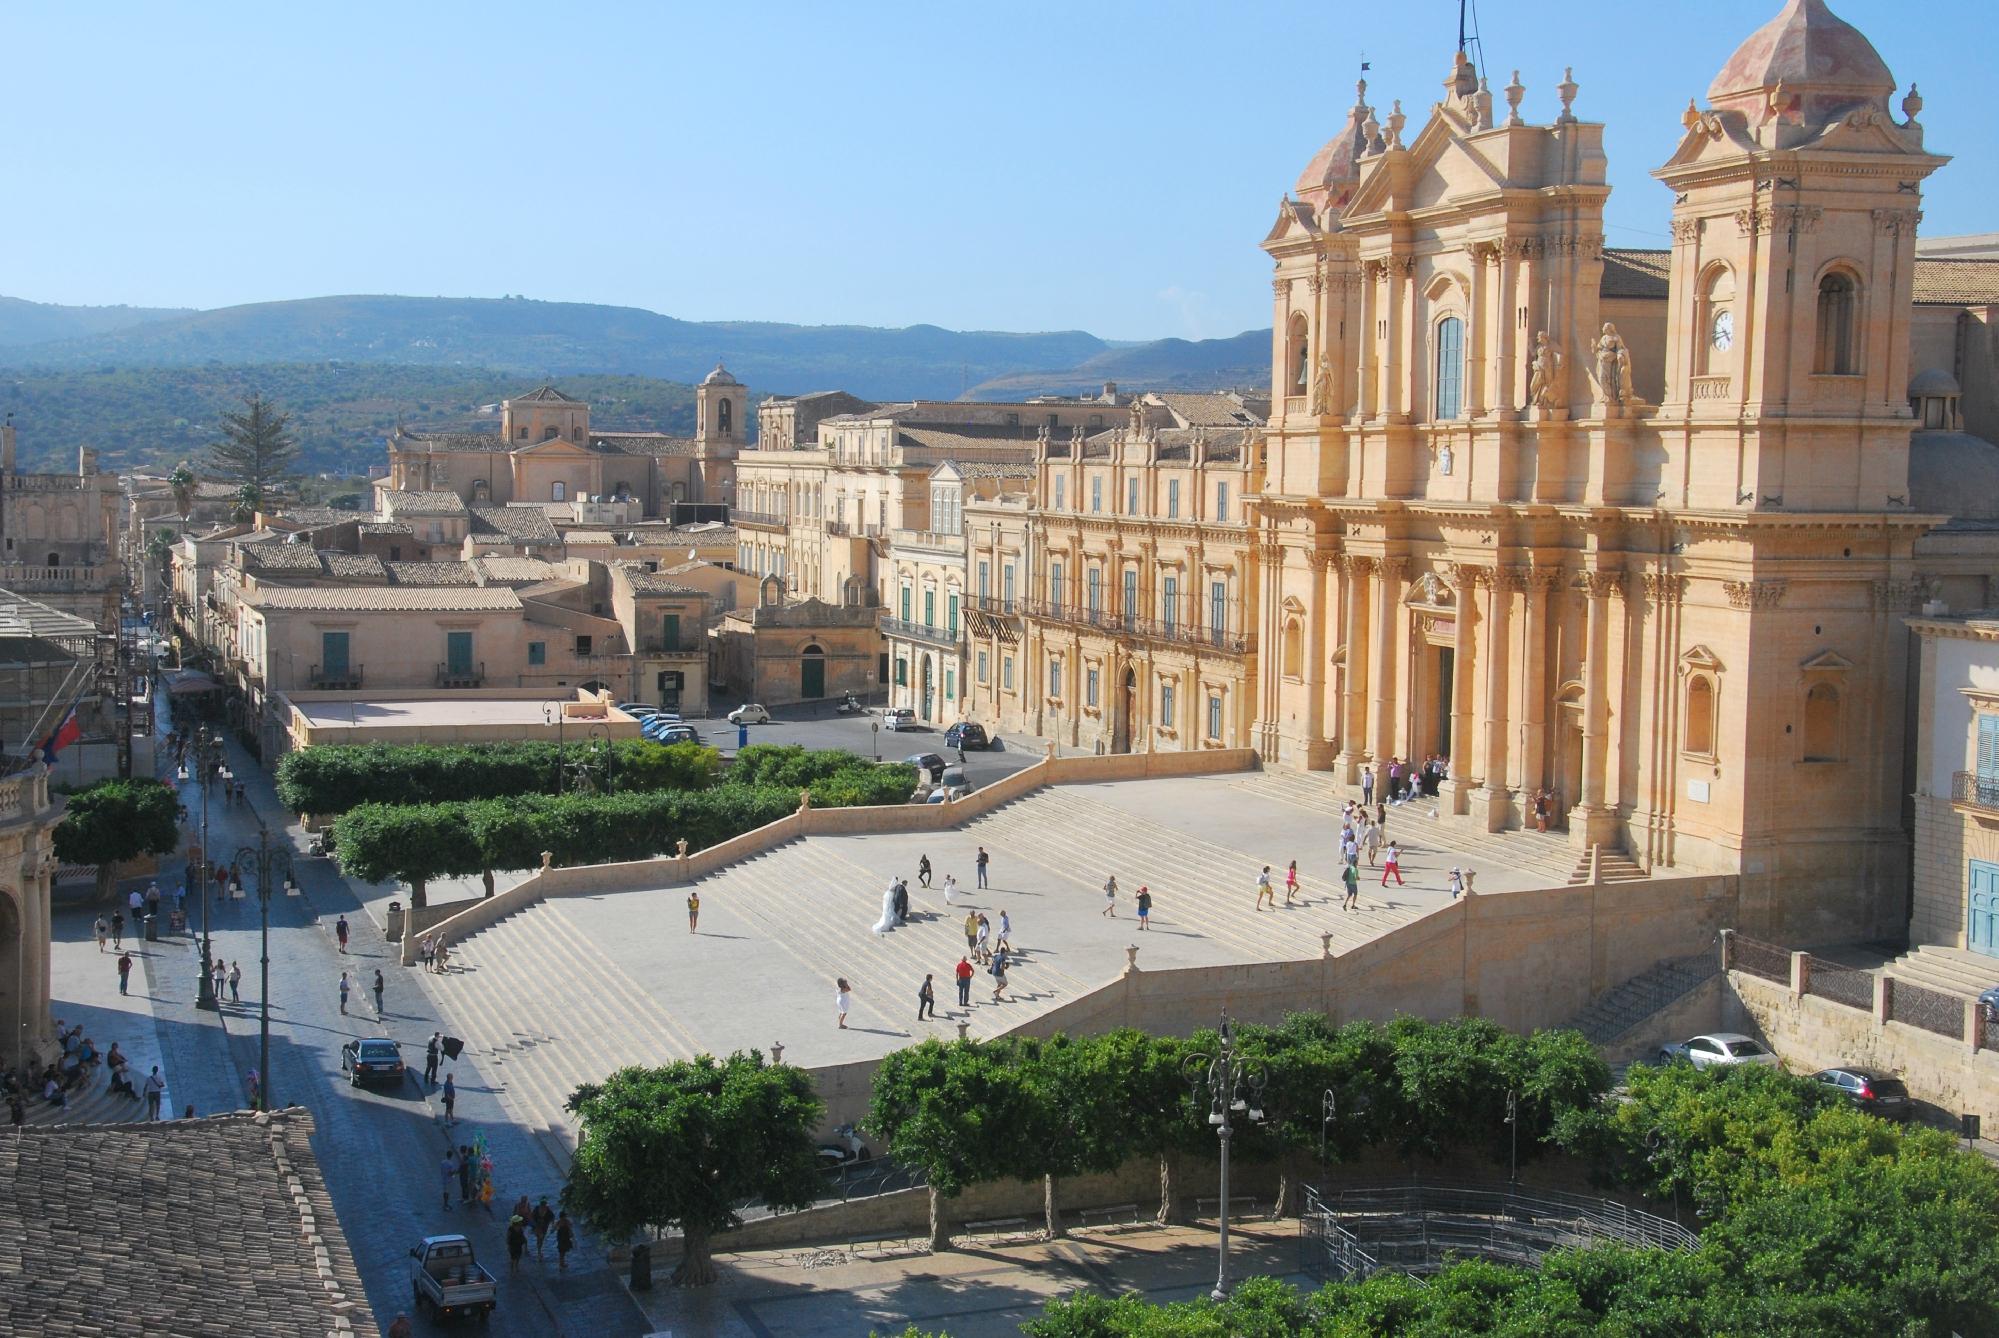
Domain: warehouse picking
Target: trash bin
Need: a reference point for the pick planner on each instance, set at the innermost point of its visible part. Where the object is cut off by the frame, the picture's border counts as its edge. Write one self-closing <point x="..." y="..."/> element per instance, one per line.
<point x="642" y="1266"/>
<point x="152" y="929"/>
<point x="394" y="931"/>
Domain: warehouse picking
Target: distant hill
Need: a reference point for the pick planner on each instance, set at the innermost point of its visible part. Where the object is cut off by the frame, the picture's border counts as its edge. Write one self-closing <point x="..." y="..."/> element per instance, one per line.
<point x="562" y="339"/>
<point x="1163" y="364"/>
<point x="24" y="322"/>
<point x="156" y="416"/>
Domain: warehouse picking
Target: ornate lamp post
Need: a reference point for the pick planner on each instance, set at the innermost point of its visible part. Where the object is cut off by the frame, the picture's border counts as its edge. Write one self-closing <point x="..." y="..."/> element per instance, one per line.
<point x="593" y="768"/>
<point x="1513" y="1124"/>
<point x="551" y="712"/>
<point x="272" y="863"/>
<point x="208" y="768"/>
<point x="1233" y="1086"/>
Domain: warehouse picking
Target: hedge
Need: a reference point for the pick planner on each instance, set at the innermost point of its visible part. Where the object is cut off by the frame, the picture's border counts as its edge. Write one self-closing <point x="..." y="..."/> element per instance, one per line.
<point x="330" y="779"/>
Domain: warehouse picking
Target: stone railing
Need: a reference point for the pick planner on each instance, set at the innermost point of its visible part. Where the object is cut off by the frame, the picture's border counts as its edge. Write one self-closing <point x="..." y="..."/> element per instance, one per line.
<point x="1711" y="387"/>
<point x="1172" y="632"/>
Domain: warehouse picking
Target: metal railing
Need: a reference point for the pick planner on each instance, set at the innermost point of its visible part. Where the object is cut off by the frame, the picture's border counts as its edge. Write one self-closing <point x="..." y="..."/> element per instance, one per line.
<point x="1841" y="984"/>
<point x="468" y="677"/>
<point x="840" y="529"/>
<point x="912" y="631"/>
<point x="1758" y="959"/>
<point x="767" y="519"/>
<point x="995" y="604"/>
<point x="1171" y="631"/>
<point x="1418" y="1228"/>
<point x="1327" y="1250"/>
<point x="1932" y="1010"/>
<point x="347" y="676"/>
<point x="1968" y="787"/>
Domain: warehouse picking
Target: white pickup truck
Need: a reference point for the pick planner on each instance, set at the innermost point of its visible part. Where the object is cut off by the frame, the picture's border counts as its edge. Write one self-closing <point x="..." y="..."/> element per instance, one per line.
<point x="447" y="1281"/>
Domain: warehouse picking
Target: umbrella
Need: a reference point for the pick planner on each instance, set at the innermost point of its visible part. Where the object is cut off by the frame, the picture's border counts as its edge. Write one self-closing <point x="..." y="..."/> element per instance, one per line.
<point x="451" y="1045"/>
<point x="191" y="681"/>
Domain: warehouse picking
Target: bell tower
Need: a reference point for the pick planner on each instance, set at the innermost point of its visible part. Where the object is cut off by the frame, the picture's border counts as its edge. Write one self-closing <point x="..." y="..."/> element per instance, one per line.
<point x="1796" y="198"/>
<point x="721" y="429"/>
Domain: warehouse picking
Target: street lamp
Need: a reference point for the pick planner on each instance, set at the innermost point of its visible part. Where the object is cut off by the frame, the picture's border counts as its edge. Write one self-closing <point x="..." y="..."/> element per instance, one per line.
<point x="877" y="724"/>
<point x="1513" y="1123"/>
<point x="207" y="764"/>
<point x="271" y="862"/>
<point x="586" y="767"/>
<point x="1234" y="1086"/>
<point x="551" y="713"/>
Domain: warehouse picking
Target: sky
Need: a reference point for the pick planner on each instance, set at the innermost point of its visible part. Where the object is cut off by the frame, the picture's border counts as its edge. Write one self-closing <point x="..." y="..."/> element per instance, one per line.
<point x="1096" y="164"/>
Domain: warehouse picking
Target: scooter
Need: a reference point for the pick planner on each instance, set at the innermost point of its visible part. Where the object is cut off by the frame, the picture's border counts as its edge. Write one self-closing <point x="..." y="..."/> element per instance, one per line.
<point x="851" y="706"/>
<point x="846" y="1148"/>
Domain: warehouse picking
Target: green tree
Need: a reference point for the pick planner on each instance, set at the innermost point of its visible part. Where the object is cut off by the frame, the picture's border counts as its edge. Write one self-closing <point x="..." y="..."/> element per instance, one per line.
<point x="685" y="1144"/>
<point x="257" y="446"/>
<point x="117" y="820"/>
<point x="411" y="843"/>
<point x="160" y="551"/>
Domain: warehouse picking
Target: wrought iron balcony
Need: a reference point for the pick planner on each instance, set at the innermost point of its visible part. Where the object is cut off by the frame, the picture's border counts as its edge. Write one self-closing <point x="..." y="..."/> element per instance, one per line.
<point x="1973" y="790"/>
<point x="765" y="520"/>
<point x="1167" y="632"/>
<point x="345" y="676"/>
<point x="1009" y="608"/>
<point x="909" y="631"/>
<point x="470" y="676"/>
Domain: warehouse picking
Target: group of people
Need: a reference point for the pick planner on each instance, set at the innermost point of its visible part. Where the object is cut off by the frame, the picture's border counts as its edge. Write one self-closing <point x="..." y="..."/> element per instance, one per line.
<point x="540" y="1219"/>
<point x="71" y="1072"/>
<point x="434" y="954"/>
<point x="1404" y="780"/>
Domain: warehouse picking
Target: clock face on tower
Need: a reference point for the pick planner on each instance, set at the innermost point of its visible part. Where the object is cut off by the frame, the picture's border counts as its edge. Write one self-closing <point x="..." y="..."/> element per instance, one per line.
<point x="1722" y="333"/>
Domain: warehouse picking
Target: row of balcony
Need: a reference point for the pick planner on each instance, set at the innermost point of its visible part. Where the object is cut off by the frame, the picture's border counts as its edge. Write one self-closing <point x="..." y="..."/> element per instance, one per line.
<point x="461" y="676"/>
<point x="912" y="631"/>
<point x="758" y="519"/>
<point x="1165" y="631"/>
<point x="1975" y="790"/>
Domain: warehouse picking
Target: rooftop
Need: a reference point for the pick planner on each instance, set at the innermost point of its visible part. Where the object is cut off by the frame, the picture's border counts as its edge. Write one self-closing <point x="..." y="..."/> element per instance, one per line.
<point x="23" y="617"/>
<point x="141" y="1228"/>
<point x="530" y="524"/>
<point x="432" y="573"/>
<point x="384" y="598"/>
<point x="422" y="503"/>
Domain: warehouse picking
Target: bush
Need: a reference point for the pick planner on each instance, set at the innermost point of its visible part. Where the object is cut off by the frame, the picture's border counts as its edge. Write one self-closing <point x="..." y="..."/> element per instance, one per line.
<point x="329" y="779"/>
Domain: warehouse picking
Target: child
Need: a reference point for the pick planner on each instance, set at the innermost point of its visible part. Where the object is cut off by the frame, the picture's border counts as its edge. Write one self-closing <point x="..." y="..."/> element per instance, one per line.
<point x="1291" y="882"/>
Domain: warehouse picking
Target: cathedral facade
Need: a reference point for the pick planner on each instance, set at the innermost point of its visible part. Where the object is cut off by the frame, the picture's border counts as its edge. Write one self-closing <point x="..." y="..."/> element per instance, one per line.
<point x="1632" y="533"/>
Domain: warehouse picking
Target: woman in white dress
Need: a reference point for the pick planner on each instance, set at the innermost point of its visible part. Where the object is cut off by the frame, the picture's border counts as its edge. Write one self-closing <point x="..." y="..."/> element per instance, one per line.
<point x="887" y="922"/>
<point x="950" y="888"/>
<point x="843" y="1001"/>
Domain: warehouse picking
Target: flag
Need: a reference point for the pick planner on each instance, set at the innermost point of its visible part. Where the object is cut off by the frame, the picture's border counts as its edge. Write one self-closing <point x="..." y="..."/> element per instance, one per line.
<point x="61" y="737"/>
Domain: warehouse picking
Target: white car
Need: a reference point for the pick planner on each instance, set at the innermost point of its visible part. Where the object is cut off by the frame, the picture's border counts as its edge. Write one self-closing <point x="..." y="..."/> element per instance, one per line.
<point x="898" y="718"/>
<point x="749" y="713"/>
<point x="1720" y="1049"/>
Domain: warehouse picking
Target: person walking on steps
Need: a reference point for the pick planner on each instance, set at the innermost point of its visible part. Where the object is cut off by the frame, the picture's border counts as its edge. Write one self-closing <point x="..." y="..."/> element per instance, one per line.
<point x="118" y="930"/>
<point x="999" y="977"/>
<point x="448" y="1168"/>
<point x="983" y="860"/>
<point x="124" y="972"/>
<point x="378" y="992"/>
<point x="236" y="982"/>
<point x="1391" y="865"/>
<point x="542" y="1218"/>
<point x="344" y="987"/>
<point x="1351" y="877"/>
<point x="340" y="932"/>
<point x="450" y="1099"/>
<point x="971" y="931"/>
<point x="923" y="871"/>
<point x="156" y="1088"/>
<point x="1457" y="882"/>
<point x="1264" y="889"/>
<point x="565" y="1240"/>
<point x="1291" y="882"/>
<point x="964" y="973"/>
<point x="1110" y="897"/>
<point x="1367" y="785"/>
<point x="843" y="1000"/>
<point x="926" y="998"/>
<point x="103" y="932"/>
<point x="1144" y="900"/>
<point x="693" y="911"/>
<point x="430" y="1054"/>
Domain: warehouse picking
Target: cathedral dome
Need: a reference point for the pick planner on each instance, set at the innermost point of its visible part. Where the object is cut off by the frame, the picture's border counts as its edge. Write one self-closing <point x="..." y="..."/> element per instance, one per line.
<point x="1822" y="62"/>
<point x="719" y="377"/>
<point x="1329" y="178"/>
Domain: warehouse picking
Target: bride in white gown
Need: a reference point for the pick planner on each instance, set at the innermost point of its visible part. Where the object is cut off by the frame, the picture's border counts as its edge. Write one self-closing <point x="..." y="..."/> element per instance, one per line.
<point x="887" y="922"/>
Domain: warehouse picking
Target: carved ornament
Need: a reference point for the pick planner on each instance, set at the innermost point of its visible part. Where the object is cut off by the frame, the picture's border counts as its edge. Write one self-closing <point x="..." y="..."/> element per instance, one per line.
<point x="1687" y="229"/>
<point x="1895" y="222"/>
<point x="1589" y="248"/>
<point x="1665" y="587"/>
<point x="1602" y="584"/>
<point x="1900" y="596"/>
<point x="1394" y="569"/>
<point x="1402" y="265"/>
<point x="1754" y="594"/>
<point x="1521" y="248"/>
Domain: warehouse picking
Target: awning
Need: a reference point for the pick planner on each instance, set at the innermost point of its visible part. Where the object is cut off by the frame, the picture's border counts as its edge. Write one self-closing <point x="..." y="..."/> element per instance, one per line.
<point x="189" y="681"/>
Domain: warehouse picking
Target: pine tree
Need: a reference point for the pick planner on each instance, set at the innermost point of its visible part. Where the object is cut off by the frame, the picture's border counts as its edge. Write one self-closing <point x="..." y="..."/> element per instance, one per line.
<point x="257" y="446"/>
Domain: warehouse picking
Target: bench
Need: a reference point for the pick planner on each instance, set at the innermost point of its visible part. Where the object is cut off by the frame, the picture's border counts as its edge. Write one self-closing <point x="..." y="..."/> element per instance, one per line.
<point x="999" y="1226"/>
<point x="1240" y="1209"/>
<point x="1117" y="1214"/>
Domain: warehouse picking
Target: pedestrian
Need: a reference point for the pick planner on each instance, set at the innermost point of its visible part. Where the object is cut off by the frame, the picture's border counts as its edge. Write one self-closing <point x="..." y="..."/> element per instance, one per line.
<point x="950" y="889"/>
<point x="1144" y="908"/>
<point x="103" y="932"/>
<point x="1540" y="810"/>
<point x="423" y="952"/>
<point x="1351" y="877"/>
<point x="984" y="949"/>
<point x="235" y="982"/>
<point x="1457" y="882"/>
<point x="466" y="1169"/>
<point x="153" y="900"/>
<point x="241" y="798"/>
<point x="449" y="1169"/>
<point x="843" y="1000"/>
<point x="1371" y="842"/>
<point x="137" y="901"/>
<point x="999" y="976"/>
<point x="964" y="973"/>
<point x="926" y="999"/>
<point x="516" y="1243"/>
<point x="430" y="1053"/>
<point x="1110" y="897"/>
<point x="693" y="911"/>
<point x="1005" y="940"/>
<point x="1291" y="882"/>
<point x="118" y="929"/>
<point x="486" y="1185"/>
<point x="901" y="902"/>
<point x="983" y="860"/>
<point x="378" y="991"/>
<point x="124" y="972"/>
<point x="542" y="1218"/>
<point x="343" y="991"/>
<point x="1367" y="785"/>
<point x="450" y="1101"/>
<point x="156" y="1088"/>
<point x="402" y="1327"/>
<point x="1264" y="889"/>
<point x="340" y="932"/>
<point x="565" y="1240"/>
<point x="971" y="932"/>
<point x="522" y="1210"/>
<point x="923" y="871"/>
<point x="1391" y="864"/>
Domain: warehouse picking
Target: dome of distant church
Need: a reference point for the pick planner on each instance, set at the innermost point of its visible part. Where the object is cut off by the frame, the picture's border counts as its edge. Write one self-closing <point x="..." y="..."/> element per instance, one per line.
<point x="1820" y="59"/>
<point x="719" y="377"/>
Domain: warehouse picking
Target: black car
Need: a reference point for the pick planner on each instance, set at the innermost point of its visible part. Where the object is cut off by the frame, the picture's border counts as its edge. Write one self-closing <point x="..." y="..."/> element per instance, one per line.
<point x="929" y="766"/>
<point x="377" y="1059"/>
<point x="1871" y="1090"/>
<point x="965" y="734"/>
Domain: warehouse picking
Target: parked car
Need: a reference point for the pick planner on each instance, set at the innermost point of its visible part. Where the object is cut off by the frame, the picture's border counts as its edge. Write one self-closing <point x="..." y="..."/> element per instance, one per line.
<point x="675" y="732"/>
<point x="376" y="1059"/>
<point x="657" y="726"/>
<point x="447" y="1281"/>
<point x="1988" y="1003"/>
<point x="638" y="709"/>
<point x="898" y="718"/>
<point x="1871" y="1090"/>
<point x="749" y="713"/>
<point x="1718" y="1049"/>
<point x="967" y="734"/>
<point x="929" y="766"/>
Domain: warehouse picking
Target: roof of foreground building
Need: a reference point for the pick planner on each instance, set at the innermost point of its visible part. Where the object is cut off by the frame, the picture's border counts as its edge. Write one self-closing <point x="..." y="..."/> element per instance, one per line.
<point x="214" y="1225"/>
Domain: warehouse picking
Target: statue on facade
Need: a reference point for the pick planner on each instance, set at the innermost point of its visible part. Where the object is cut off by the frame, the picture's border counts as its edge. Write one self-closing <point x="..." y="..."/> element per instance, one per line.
<point x="1613" y="365"/>
<point x="1541" y="388"/>
<point x="1322" y="387"/>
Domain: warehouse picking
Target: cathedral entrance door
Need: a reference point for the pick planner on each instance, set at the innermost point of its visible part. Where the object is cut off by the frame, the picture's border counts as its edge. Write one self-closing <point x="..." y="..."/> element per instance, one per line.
<point x="1569" y="785"/>
<point x="1447" y="678"/>
<point x="1127" y="711"/>
<point x="1981" y="930"/>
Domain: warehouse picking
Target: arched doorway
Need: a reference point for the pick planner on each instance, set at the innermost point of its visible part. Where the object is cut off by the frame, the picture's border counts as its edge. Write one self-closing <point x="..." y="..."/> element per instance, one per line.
<point x="812" y="671"/>
<point x="1568" y="781"/>
<point x="1127" y="712"/>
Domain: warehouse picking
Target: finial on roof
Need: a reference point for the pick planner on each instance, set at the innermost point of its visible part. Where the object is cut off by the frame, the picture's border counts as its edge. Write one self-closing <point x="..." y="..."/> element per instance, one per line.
<point x="1567" y="90"/>
<point x="1515" y="91"/>
<point x="1360" y="92"/>
<point x="1912" y="104"/>
<point x="1691" y="117"/>
<point x="1396" y="120"/>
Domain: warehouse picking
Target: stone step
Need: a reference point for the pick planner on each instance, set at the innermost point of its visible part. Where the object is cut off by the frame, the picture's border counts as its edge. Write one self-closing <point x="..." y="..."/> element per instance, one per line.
<point x="1614" y="866"/>
<point x="1629" y="1003"/>
<point x="1946" y="972"/>
<point x="94" y="1103"/>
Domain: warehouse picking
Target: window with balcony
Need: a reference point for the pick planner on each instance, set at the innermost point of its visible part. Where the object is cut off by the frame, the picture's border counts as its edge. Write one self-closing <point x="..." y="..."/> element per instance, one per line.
<point x="1006" y="584"/>
<point x="1059" y="490"/>
<point x="1130" y="610"/>
<point x="1218" y="606"/>
<point x="929" y="608"/>
<point x="905" y="603"/>
<point x="1094" y="592"/>
<point x="951" y="614"/>
<point x="985" y="578"/>
<point x="1169" y="602"/>
<point x="1221" y="503"/>
<point x="1055" y="584"/>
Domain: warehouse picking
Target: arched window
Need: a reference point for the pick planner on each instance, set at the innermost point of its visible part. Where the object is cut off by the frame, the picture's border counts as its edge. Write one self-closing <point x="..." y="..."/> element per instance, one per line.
<point x="1836" y="354"/>
<point x="722" y="420"/>
<point x="549" y="433"/>
<point x="1450" y="368"/>
<point x="1294" y="649"/>
<point x="1700" y="716"/>
<point x="558" y="491"/>
<point x="1714" y="322"/>
<point x="1298" y="357"/>
<point x="55" y="560"/>
<point x="1822" y="723"/>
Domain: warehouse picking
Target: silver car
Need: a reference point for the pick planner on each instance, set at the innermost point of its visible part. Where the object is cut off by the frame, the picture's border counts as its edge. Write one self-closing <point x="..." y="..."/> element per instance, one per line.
<point x="1719" y="1049"/>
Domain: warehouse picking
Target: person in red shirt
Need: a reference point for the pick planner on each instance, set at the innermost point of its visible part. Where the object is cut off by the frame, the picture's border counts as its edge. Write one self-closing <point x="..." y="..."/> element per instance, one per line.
<point x="964" y="973"/>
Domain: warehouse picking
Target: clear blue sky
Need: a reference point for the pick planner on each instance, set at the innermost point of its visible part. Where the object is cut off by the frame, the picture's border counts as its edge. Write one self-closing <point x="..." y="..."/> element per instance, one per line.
<point x="1023" y="166"/>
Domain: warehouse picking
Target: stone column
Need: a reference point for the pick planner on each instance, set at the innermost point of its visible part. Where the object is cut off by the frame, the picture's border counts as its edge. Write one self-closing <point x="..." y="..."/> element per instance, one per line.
<point x="1589" y="820"/>
<point x="1531" y="758"/>
<point x="1463" y="756"/>
<point x="1372" y="280"/>
<point x="1506" y="359"/>
<point x="1318" y="656"/>
<point x="1381" y="740"/>
<point x="1489" y="800"/>
<point x="1393" y="397"/>
<point x="1353" y="706"/>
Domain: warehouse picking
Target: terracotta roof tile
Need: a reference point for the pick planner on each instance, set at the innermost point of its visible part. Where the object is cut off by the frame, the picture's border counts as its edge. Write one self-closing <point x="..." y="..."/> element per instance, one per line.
<point x="528" y="523"/>
<point x="432" y="573"/>
<point x="363" y="598"/>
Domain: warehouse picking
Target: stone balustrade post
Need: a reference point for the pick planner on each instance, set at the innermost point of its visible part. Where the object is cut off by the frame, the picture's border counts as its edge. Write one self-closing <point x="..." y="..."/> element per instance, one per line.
<point x="1130" y="958"/>
<point x="1974" y="1030"/>
<point x="1801" y="974"/>
<point x="1884" y="997"/>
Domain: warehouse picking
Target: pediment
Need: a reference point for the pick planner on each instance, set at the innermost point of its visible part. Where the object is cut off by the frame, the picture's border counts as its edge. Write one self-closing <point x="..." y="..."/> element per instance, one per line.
<point x="1443" y="166"/>
<point x="1293" y="605"/>
<point x="1826" y="662"/>
<point x="1866" y="130"/>
<point x="1700" y="657"/>
<point x="1430" y="590"/>
<point x="553" y="446"/>
<point x="1294" y="223"/>
<point x="1710" y="137"/>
